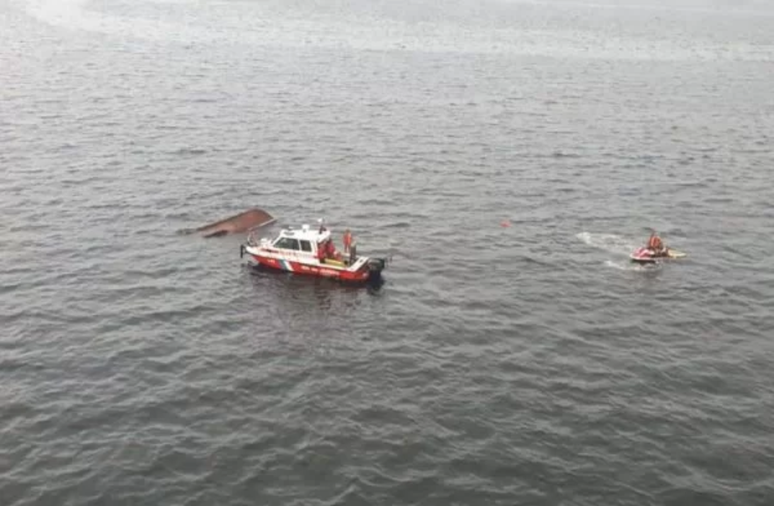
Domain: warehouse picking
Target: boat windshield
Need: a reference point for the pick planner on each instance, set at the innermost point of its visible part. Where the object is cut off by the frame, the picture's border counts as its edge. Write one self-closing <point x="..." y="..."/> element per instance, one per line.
<point x="287" y="243"/>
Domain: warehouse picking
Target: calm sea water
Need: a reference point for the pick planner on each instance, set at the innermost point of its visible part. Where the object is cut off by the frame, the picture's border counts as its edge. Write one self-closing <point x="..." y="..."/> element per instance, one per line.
<point x="529" y="364"/>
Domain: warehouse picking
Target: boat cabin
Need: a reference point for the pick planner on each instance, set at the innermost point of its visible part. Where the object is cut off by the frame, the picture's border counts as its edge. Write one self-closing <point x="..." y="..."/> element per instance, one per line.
<point x="311" y="251"/>
<point x="301" y="241"/>
<point x="305" y="242"/>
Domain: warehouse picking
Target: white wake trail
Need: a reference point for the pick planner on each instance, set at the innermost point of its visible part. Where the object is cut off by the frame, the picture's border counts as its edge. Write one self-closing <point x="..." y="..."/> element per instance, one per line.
<point x="608" y="242"/>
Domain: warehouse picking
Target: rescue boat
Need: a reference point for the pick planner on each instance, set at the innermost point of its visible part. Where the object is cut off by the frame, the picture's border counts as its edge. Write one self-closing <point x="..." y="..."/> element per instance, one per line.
<point x="309" y="252"/>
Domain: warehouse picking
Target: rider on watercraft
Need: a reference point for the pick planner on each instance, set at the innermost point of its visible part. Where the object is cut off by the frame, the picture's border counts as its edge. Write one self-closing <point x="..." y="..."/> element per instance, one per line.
<point x="656" y="245"/>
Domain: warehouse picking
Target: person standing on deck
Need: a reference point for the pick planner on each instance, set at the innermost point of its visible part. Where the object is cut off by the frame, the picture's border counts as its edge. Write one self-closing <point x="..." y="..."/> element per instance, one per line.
<point x="347" y="240"/>
<point x="321" y="252"/>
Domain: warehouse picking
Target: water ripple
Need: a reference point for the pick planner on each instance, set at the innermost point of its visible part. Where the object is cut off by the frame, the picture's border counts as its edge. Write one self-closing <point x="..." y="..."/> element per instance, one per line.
<point x="529" y="363"/>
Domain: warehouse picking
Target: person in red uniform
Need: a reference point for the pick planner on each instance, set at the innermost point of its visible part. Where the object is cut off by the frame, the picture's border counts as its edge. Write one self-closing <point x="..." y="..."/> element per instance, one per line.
<point x="321" y="251"/>
<point x="330" y="251"/>
<point x="656" y="245"/>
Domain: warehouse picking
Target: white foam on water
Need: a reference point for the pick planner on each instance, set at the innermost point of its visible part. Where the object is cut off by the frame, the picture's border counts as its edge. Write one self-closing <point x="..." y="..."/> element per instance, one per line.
<point x="64" y="13"/>
<point x="615" y="265"/>
<point x="608" y="242"/>
<point x="618" y="245"/>
<point x="76" y="15"/>
<point x="256" y="26"/>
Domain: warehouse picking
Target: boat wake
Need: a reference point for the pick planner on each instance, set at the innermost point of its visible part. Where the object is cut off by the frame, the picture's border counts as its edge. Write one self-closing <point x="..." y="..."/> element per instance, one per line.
<point x="611" y="243"/>
<point x="77" y="15"/>
<point x="619" y="246"/>
<point x="257" y="23"/>
<point x="65" y="13"/>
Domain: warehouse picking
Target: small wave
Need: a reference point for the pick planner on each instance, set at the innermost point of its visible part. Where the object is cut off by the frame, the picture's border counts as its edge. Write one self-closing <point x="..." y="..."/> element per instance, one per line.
<point x="562" y="154"/>
<point x="189" y="151"/>
<point x="398" y="224"/>
<point x="631" y="266"/>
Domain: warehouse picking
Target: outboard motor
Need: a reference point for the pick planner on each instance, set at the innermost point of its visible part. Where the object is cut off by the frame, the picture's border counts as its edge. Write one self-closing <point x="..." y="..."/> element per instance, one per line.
<point x="376" y="264"/>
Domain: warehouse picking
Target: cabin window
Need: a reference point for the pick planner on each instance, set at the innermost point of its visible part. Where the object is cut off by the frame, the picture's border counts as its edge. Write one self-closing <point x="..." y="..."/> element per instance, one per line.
<point x="306" y="246"/>
<point x="287" y="243"/>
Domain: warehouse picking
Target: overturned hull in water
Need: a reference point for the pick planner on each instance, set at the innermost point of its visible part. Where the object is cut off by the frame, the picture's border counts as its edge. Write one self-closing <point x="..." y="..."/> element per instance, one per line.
<point x="239" y="223"/>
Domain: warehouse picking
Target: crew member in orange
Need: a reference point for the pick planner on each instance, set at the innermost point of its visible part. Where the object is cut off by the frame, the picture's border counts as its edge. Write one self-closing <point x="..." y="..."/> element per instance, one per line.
<point x="655" y="244"/>
<point x="347" y="240"/>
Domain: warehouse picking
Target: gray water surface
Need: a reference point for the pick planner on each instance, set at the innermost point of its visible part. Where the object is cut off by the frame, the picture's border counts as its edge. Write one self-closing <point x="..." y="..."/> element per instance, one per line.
<point x="529" y="364"/>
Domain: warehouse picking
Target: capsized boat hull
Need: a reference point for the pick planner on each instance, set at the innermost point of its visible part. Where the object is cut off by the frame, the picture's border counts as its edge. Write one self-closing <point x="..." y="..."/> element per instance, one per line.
<point x="243" y="222"/>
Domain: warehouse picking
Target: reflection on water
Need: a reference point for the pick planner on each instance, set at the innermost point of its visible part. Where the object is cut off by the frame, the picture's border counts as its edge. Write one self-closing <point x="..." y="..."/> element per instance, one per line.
<point x="316" y="291"/>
